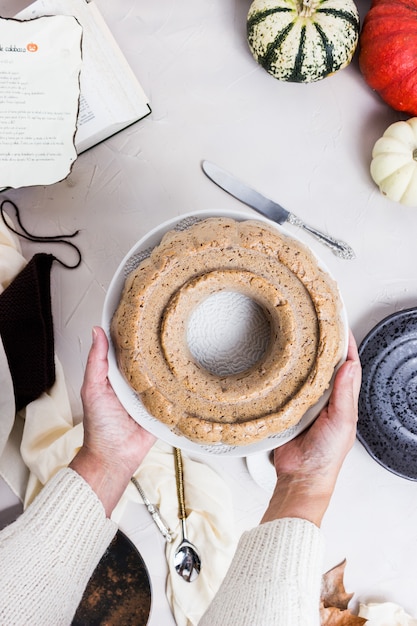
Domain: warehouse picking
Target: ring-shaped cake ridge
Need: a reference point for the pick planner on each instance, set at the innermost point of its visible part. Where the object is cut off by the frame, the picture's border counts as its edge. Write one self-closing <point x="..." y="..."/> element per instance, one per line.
<point x="300" y="301"/>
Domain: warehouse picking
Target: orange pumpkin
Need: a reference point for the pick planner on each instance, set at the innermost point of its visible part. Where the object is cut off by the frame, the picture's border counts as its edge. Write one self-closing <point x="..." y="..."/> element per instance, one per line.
<point x="388" y="52"/>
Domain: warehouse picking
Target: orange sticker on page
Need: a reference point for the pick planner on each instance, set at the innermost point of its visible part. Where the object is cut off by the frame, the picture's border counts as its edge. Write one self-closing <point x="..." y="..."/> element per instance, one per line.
<point x="32" y="47"/>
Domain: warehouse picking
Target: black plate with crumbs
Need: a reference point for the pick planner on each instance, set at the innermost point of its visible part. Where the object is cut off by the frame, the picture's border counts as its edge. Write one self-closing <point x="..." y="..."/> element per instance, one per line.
<point x="119" y="591"/>
<point x="387" y="425"/>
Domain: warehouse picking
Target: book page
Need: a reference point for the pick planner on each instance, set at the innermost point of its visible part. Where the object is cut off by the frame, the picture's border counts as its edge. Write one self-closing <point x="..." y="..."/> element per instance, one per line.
<point x="111" y="95"/>
<point x="40" y="63"/>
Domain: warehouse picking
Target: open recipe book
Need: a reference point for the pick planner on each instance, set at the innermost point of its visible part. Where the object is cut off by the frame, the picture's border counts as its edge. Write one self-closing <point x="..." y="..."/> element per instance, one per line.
<point x="111" y="96"/>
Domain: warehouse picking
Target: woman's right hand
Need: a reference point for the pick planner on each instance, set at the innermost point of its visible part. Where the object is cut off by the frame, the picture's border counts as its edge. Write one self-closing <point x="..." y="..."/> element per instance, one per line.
<point x="307" y="466"/>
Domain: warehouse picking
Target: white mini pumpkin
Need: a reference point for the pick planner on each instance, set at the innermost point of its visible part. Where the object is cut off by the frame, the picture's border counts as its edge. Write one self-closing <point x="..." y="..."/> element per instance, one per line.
<point x="303" y="40"/>
<point x="394" y="162"/>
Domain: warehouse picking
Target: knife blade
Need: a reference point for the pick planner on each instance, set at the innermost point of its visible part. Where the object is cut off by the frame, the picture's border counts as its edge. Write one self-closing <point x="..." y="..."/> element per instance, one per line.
<point x="270" y="209"/>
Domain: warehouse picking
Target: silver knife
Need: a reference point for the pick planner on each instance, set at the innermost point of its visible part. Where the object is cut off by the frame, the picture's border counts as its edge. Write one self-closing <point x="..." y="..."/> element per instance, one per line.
<point x="269" y="208"/>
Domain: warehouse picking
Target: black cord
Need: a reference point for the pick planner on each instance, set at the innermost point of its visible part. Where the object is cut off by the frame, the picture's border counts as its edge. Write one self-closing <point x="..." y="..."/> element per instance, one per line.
<point x="42" y="239"/>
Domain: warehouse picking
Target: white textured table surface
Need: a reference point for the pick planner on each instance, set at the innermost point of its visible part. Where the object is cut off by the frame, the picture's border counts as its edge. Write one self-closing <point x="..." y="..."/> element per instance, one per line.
<point x="307" y="146"/>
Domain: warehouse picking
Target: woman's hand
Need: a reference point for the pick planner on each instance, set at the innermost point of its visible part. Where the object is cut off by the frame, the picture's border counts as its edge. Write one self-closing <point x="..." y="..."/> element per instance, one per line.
<point x="114" y="444"/>
<point x="307" y="466"/>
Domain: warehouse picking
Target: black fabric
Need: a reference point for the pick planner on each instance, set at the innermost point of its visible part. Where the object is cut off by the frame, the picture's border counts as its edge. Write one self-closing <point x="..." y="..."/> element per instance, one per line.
<point x="26" y="329"/>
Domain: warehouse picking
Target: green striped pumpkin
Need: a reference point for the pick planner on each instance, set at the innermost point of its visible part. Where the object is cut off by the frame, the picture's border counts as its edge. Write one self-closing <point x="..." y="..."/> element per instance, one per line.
<point x="303" y="40"/>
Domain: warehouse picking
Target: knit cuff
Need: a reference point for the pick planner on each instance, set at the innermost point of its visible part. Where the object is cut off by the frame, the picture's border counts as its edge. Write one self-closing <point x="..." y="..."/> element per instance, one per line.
<point x="56" y="544"/>
<point x="274" y="578"/>
<point x="296" y="568"/>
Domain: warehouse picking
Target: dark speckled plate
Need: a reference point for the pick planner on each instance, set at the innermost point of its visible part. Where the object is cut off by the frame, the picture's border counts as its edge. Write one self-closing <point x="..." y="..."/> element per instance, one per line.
<point x="387" y="424"/>
<point x="119" y="591"/>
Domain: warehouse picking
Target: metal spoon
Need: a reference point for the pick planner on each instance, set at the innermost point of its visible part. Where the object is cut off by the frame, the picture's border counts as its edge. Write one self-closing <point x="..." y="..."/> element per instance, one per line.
<point x="186" y="559"/>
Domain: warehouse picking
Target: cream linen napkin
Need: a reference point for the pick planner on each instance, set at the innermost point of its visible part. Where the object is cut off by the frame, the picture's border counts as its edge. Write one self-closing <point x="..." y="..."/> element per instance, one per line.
<point x="42" y="439"/>
<point x="210" y="526"/>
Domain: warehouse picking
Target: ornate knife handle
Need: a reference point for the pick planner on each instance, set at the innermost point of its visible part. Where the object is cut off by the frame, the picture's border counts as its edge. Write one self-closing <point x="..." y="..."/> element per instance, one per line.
<point x="340" y="248"/>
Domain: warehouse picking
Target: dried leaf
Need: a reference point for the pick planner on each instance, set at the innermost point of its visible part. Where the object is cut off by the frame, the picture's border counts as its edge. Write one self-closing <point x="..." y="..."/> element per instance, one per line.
<point x="333" y="593"/>
<point x="332" y="616"/>
<point x="334" y="600"/>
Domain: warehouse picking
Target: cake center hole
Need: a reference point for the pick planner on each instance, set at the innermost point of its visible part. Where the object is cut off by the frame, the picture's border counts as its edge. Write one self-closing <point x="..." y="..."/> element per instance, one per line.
<point x="228" y="333"/>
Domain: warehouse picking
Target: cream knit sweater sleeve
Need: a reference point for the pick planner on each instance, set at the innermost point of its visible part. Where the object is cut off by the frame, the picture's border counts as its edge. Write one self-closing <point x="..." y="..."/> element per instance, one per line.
<point x="49" y="553"/>
<point x="274" y="578"/>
